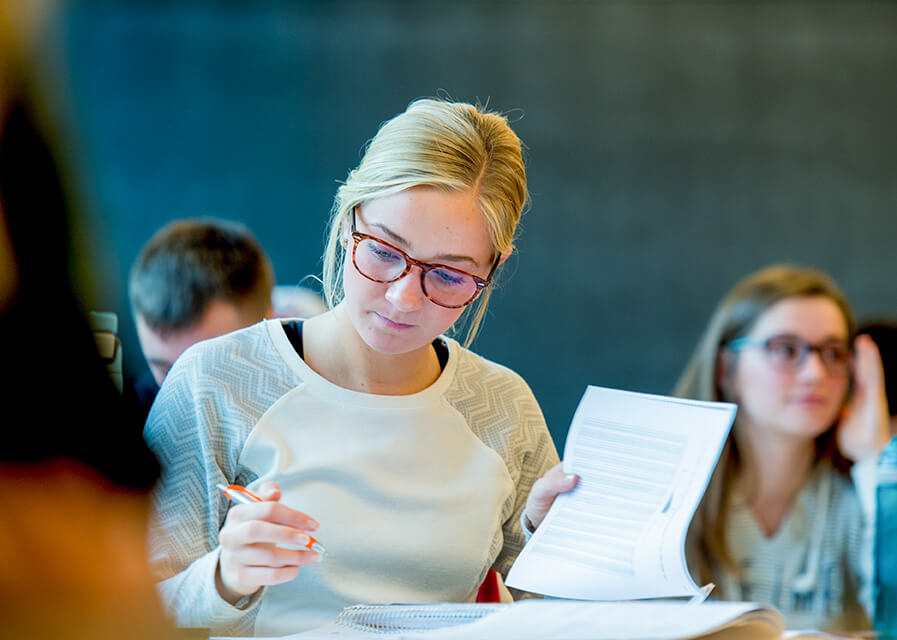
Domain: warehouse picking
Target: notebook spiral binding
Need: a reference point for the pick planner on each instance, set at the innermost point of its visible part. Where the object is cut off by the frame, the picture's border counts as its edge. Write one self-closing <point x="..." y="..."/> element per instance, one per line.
<point x="397" y="618"/>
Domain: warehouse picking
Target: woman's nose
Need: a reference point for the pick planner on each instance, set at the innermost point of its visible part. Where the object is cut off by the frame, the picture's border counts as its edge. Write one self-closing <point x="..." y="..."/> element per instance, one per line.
<point x="813" y="367"/>
<point x="405" y="294"/>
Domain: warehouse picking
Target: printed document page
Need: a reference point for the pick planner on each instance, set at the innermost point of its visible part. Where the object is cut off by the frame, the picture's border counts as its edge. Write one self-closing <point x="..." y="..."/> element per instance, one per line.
<point x="643" y="462"/>
<point x="541" y="619"/>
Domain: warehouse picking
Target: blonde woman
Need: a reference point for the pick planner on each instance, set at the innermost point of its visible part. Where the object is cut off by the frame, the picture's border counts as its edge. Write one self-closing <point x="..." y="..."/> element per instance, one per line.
<point x="788" y="516"/>
<point x="408" y="456"/>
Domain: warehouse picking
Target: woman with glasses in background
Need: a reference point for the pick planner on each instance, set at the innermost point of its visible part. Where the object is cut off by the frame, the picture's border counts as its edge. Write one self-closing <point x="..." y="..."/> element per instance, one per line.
<point x="405" y="454"/>
<point x="788" y="516"/>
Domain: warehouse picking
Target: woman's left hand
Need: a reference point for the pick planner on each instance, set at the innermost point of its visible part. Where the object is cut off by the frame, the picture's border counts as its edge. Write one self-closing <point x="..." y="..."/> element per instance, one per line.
<point x="545" y="490"/>
<point x="864" y="427"/>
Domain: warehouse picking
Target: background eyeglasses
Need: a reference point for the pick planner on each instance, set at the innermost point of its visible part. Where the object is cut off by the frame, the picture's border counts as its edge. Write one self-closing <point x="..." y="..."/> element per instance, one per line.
<point x="382" y="262"/>
<point x="788" y="352"/>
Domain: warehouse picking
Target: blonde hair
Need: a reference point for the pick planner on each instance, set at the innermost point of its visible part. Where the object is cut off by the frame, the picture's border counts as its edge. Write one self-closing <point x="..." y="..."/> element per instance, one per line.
<point x="734" y="317"/>
<point x="451" y="146"/>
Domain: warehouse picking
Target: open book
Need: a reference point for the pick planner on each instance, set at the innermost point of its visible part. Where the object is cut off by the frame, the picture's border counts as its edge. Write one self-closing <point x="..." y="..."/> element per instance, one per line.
<point x="561" y="619"/>
<point x="643" y="462"/>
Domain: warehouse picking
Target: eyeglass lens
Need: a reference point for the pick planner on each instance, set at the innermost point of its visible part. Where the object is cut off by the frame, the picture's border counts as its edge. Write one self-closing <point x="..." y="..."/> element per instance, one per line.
<point x="790" y="352"/>
<point x="443" y="285"/>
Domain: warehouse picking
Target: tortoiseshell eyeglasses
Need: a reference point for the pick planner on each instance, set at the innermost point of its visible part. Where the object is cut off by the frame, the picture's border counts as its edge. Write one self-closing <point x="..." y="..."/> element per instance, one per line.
<point x="379" y="261"/>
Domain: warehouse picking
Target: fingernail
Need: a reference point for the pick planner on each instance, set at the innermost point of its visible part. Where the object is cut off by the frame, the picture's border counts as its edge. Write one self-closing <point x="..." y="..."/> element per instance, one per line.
<point x="570" y="477"/>
<point x="301" y="539"/>
<point x="312" y="525"/>
<point x="315" y="558"/>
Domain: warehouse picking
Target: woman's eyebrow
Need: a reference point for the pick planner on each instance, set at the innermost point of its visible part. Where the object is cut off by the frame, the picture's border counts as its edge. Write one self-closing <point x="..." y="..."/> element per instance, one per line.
<point x="442" y="256"/>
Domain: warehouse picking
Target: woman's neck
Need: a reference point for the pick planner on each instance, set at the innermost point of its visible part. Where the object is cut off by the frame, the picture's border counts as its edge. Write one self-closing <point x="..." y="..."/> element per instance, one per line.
<point x="774" y="469"/>
<point x="334" y="350"/>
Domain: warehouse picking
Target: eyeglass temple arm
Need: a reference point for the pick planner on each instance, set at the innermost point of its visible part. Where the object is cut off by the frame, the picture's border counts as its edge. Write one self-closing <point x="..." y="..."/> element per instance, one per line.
<point x="739" y="343"/>
<point x="494" y="267"/>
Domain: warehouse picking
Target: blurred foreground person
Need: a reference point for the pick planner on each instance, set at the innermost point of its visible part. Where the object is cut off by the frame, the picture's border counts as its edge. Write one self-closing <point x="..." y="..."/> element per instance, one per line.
<point x="76" y="479"/>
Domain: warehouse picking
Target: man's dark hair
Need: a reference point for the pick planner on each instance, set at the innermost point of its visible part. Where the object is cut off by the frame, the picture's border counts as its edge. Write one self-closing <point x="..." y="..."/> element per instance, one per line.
<point x="188" y="264"/>
<point x="884" y="334"/>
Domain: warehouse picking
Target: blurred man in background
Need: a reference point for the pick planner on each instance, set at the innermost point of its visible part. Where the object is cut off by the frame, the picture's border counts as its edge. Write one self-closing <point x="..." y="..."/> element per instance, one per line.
<point x="193" y="280"/>
<point x="196" y="279"/>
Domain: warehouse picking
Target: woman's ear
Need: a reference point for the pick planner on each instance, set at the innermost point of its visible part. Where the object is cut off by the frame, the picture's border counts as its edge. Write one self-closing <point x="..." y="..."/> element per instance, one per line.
<point x="345" y="233"/>
<point x="504" y="256"/>
<point x="722" y="374"/>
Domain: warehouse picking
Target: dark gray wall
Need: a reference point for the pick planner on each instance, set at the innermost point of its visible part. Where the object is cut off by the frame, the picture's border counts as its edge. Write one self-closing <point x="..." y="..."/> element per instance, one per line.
<point x="672" y="148"/>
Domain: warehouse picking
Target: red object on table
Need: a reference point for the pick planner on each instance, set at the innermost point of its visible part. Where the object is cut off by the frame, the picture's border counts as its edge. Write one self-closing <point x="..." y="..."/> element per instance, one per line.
<point x="489" y="591"/>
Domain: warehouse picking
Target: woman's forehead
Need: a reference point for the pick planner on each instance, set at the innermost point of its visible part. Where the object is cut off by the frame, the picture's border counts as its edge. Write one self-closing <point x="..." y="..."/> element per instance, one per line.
<point x="428" y="223"/>
<point x="812" y="318"/>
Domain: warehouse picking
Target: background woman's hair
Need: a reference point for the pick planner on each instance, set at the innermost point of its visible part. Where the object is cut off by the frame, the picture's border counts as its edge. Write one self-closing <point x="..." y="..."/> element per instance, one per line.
<point x="734" y="317"/>
<point x="450" y="146"/>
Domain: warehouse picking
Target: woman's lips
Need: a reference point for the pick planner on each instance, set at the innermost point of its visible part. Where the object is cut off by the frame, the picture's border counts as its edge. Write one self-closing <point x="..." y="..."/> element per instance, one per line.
<point x="392" y="324"/>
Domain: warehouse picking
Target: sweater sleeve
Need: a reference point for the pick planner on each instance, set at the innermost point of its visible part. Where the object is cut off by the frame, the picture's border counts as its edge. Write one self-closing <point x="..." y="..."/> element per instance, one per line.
<point x="197" y="426"/>
<point x="503" y="412"/>
<point x="537" y="455"/>
<point x="864" y="479"/>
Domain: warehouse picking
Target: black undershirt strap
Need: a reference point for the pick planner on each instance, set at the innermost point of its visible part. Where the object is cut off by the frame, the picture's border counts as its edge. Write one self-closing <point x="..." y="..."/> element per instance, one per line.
<point x="293" y="329"/>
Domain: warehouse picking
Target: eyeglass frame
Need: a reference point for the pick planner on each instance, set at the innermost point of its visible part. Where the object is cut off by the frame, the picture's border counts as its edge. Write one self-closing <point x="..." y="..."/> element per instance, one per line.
<point x="425" y="267"/>
<point x="739" y="344"/>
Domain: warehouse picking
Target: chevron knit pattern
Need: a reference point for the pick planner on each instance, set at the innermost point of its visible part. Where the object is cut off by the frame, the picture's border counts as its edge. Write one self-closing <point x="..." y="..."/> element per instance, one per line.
<point x="212" y="399"/>
<point x="503" y="413"/>
<point x="208" y="405"/>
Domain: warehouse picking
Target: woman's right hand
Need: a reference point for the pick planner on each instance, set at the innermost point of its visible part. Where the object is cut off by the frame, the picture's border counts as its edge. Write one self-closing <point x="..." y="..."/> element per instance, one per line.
<point x="864" y="429"/>
<point x="545" y="490"/>
<point x="249" y="556"/>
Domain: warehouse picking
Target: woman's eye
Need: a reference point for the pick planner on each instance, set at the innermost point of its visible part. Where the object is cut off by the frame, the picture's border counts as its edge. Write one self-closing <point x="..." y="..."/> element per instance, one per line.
<point x="834" y="353"/>
<point x="383" y="253"/>
<point x="447" y="278"/>
<point x="784" y="350"/>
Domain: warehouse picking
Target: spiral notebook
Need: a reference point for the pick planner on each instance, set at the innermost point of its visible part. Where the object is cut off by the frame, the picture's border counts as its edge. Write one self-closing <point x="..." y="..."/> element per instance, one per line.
<point x="397" y="619"/>
<point x="562" y="619"/>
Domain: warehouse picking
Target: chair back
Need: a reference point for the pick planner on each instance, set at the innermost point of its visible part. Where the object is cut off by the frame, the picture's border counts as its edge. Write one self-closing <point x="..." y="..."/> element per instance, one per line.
<point x="105" y="331"/>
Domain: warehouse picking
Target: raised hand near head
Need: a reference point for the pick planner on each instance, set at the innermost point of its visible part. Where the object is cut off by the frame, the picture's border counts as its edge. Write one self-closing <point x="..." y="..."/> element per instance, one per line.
<point x="864" y="428"/>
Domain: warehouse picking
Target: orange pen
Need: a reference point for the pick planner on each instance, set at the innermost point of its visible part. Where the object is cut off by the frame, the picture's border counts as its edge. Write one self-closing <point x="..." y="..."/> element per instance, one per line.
<point x="242" y="495"/>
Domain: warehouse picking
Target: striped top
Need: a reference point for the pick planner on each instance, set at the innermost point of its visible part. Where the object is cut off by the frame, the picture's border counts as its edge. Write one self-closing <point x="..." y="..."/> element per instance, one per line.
<point x="817" y="567"/>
